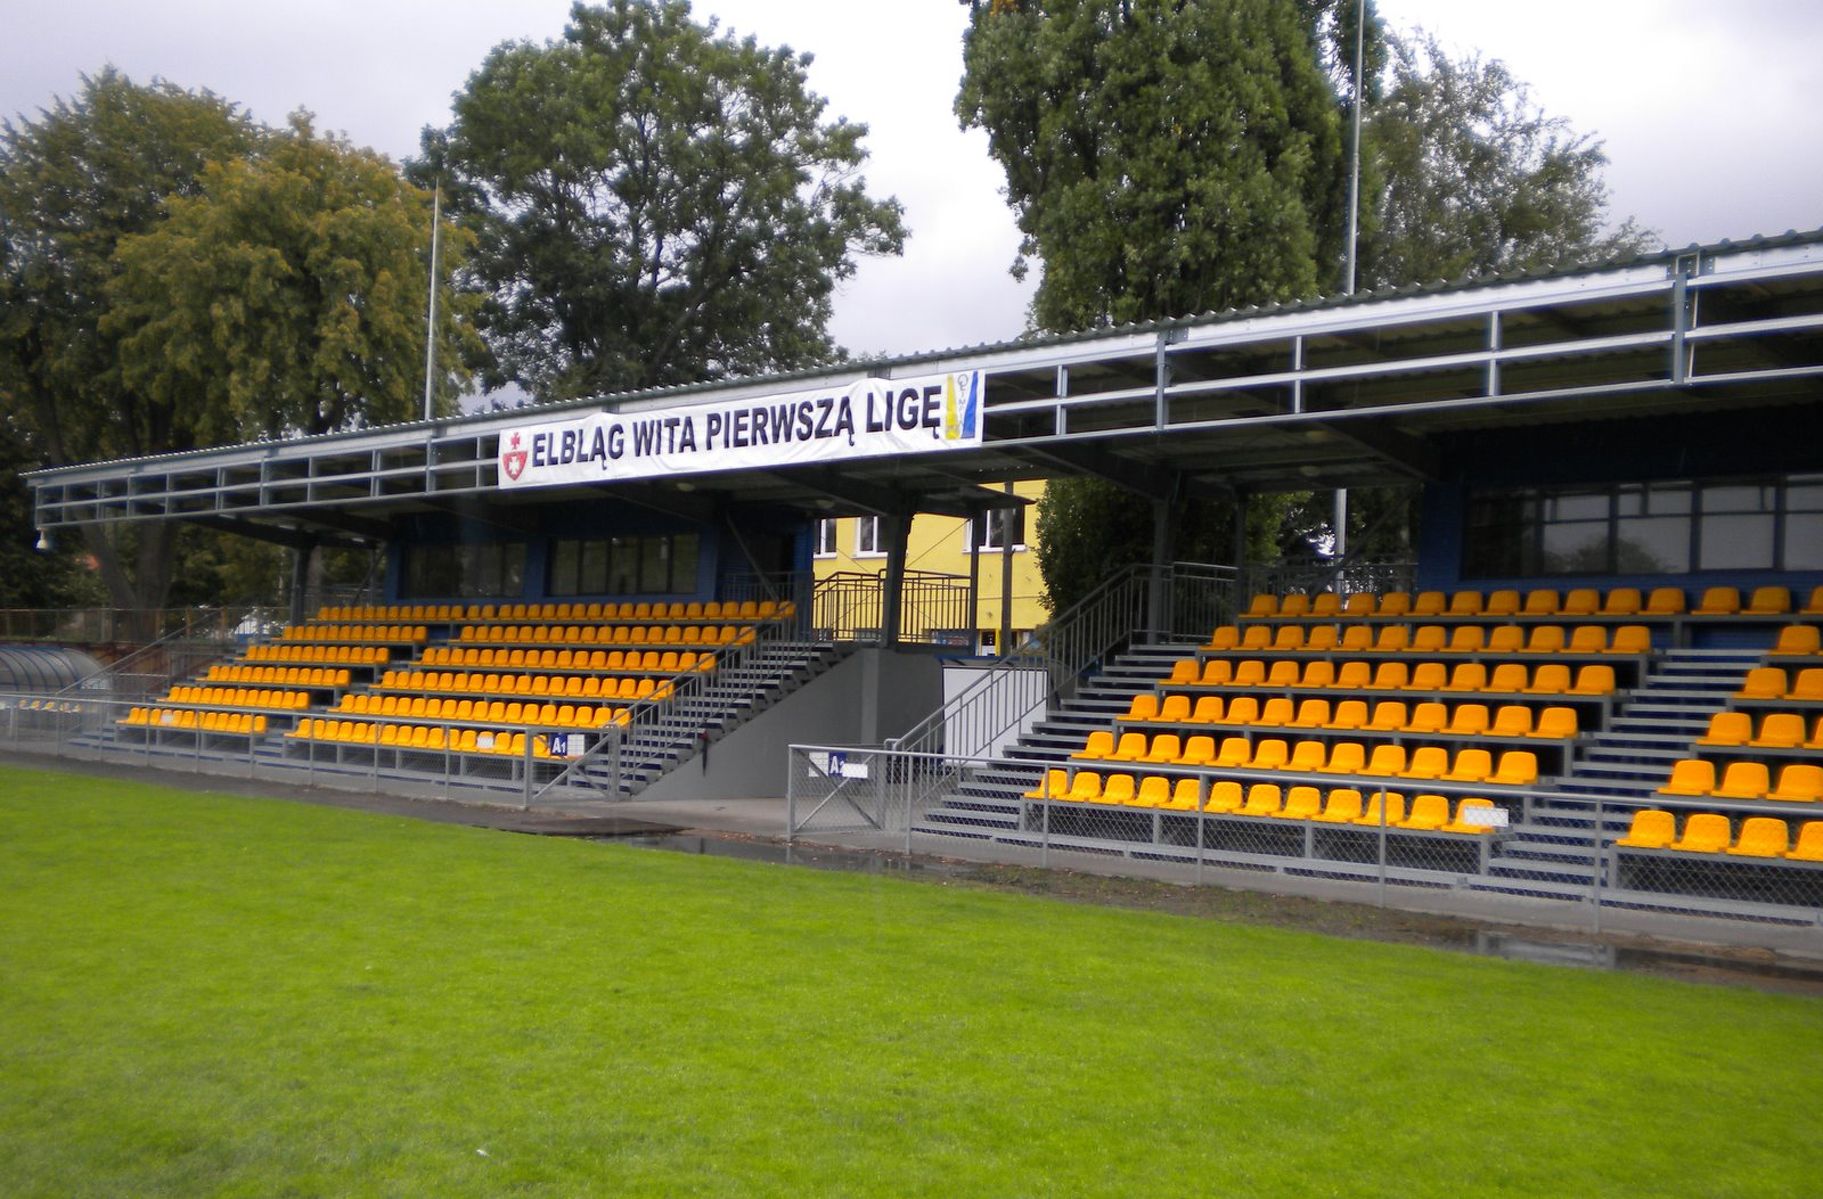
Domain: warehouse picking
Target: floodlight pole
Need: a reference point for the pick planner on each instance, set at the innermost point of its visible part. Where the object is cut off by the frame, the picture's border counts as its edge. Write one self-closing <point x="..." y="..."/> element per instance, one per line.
<point x="1340" y="548"/>
<point x="430" y="324"/>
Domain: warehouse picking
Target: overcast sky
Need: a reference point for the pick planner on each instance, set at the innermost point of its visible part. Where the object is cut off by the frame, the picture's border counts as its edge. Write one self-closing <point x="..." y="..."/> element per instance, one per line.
<point x="1708" y="110"/>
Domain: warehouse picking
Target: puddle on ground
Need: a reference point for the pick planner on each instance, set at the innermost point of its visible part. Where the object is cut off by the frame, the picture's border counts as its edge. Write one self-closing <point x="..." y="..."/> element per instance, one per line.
<point x="1691" y="963"/>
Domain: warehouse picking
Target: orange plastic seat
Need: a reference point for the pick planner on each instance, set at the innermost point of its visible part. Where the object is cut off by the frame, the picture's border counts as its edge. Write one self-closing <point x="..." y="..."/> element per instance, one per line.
<point x="1743" y="780"/>
<point x="1319" y="674"/>
<point x="1184" y="671"/>
<point x="1588" y="639"/>
<point x="1763" y="682"/>
<point x="1313" y="714"/>
<point x="1358" y="676"/>
<point x="1392" y="639"/>
<point x="1361" y="603"/>
<point x="1263" y="799"/>
<point x="1166" y="747"/>
<point x="1631" y="639"/>
<point x="1800" y="782"/>
<point x="1799" y="639"/>
<point x="1808" y="685"/>
<point x="1217" y="672"/>
<point x="1728" y="728"/>
<point x="1118" y="789"/>
<point x="1556" y="723"/>
<point x="1256" y="637"/>
<point x="1307" y="757"/>
<point x="1652" y="828"/>
<point x="1471" y="766"/>
<point x="1187" y="795"/>
<point x="1551" y="678"/>
<point x="1762" y="837"/>
<point x="1814" y="606"/>
<point x="1512" y="720"/>
<point x="1718" y="601"/>
<point x="1593" y="679"/>
<point x="1507" y="676"/>
<point x="1504" y="602"/>
<point x="1780" y="730"/>
<point x="1130" y="748"/>
<point x="1429" y="603"/>
<point x="1663" y="601"/>
<point x="1085" y="787"/>
<point x="1100" y="744"/>
<point x="1345" y="757"/>
<point x="1546" y="639"/>
<point x="1383" y="807"/>
<point x="1208" y="710"/>
<point x="1249" y="673"/>
<point x="1427" y="762"/>
<point x="1325" y="604"/>
<point x="1225" y="637"/>
<point x="1809" y="847"/>
<point x="1466" y="639"/>
<point x="1320" y="640"/>
<point x="1356" y="639"/>
<point x="1289" y="637"/>
<point x="1270" y="754"/>
<point x="1235" y="751"/>
<point x="1429" y="813"/>
<point x="1768" y="601"/>
<point x="1428" y="717"/>
<point x="1242" y="709"/>
<point x="1506" y="639"/>
<point x="1344" y="807"/>
<point x="1468" y="676"/>
<point x="1704" y="832"/>
<point x="1144" y="706"/>
<point x="1282" y="674"/>
<point x="1305" y="803"/>
<point x="1625" y="601"/>
<point x="1395" y="603"/>
<point x="1516" y="768"/>
<point x="1175" y="709"/>
<point x="1277" y="712"/>
<point x="1428" y="676"/>
<point x="1224" y="796"/>
<point x="1349" y="714"/>
<point x="1198" y="751"/>
<point x="1387" y="761"/>
<point x="1469" y="720"/>
<point x="1429" y="639"/>
<point x="1391" y="676"/>
<point x="1263" y="605"/>
<point x="1154" y="792"/>
<point x="1580" y="601"/>
<point x="1389" y="716"/>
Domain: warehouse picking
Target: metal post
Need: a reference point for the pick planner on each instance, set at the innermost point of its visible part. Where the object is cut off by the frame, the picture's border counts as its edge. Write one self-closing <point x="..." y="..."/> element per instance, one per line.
<point x="531" y="739"/>
<point x="1597" y="837"/>
<point x="791" y="795"/>
<point x="1354" y="153"/>
<point x="894" y="529"/>
<point x="1006" y="578"/>
<point x="430" y="323"/>
<point x="976" y="526"/>
<point x="1381" y="887"/>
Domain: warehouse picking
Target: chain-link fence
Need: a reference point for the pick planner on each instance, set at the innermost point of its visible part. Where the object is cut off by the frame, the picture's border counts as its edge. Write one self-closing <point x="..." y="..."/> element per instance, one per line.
<point x="526" y="764"/>
<point x="1509" y="852"/>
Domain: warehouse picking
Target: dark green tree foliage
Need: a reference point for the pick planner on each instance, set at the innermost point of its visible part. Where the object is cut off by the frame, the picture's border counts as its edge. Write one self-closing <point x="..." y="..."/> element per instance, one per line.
<point x="74" y="182"/>
<point x="658" y="203"/>
<point x="288" y="295"/>
<point x="1473" y="178"/>
<point x="1161" y="158"/>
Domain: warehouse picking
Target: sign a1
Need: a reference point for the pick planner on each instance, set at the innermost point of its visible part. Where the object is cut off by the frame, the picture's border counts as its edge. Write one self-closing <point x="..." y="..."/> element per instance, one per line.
<point x="870" y="418"/>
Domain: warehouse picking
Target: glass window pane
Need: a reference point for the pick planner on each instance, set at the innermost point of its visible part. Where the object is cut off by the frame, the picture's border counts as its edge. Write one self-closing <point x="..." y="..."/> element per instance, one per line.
<point x="593" y="569"/>
<point x="1580" y="506"/>
<point x="1576" y="548"/>
<point x="684" y="550"/>
<point x="1804" y="497"/>
<point x="623" y="565"/>
<point x="1736" y="542"/>
<point x="1734" y="498"/>
<point x="1653" y="545"/>
<point x="1804" y="541"/>
<point x="654" y="564"/>
<point x="1664" y="500"/>
<point x="566" y="558"/>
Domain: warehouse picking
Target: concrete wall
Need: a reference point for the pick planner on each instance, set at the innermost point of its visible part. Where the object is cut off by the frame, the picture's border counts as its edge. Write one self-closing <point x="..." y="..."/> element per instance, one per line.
<point x="870" y="696"/>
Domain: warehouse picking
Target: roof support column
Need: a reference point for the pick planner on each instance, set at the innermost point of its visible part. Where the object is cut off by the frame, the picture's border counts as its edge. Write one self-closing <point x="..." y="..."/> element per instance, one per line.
<point x="1164" y="549"/>
<point x="300" y="580"/>
<point x="895" y="530"/>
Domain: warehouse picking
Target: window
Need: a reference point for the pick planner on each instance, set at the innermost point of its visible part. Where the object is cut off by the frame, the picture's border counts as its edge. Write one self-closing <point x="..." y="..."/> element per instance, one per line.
<point x="867" y="536"/>
<point x="826" y="539"/>
<point x="659" y="564"/>
<point x="1653" y="528"/>
<point x="471" y="571"/>
<point x="985" y="529"/>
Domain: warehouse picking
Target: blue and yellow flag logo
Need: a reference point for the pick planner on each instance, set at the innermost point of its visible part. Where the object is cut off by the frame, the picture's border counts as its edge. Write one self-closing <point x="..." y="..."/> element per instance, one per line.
<point x="962" y="406"/>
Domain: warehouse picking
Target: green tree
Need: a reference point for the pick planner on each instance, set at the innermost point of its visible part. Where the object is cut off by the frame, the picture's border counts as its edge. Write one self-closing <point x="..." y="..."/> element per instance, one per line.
<point x="74" y="182"/>
<point x="1161" y="158"/>
<point x="1475" y="179"/>
<point x="657" y="202"/>
<point x="288" y="295"/>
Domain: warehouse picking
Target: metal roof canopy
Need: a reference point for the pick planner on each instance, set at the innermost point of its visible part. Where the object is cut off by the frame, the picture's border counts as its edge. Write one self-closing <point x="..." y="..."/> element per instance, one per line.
<point x="1336" y="393"/>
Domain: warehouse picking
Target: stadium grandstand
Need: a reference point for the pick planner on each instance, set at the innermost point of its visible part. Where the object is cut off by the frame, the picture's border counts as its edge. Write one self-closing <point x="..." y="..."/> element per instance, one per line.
<point x="1600" y="674"/>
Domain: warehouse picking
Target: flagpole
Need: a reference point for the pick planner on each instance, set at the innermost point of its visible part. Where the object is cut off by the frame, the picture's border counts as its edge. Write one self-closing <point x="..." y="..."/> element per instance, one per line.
<point x="430" y="324"/>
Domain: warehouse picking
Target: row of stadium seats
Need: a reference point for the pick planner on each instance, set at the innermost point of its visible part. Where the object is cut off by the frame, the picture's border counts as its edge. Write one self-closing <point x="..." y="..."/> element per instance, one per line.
<point x="238" y="697"/>
<point x="630" y="610"/>
<point x="1539" y="602"/>
<point x="1515" y="768"/>
<point x="1435" y="639"/>
<point x="1388" y="716"/>
<point x="1800" y="782"/>
<point x="548" y="715"/>
<point x="283" y="676"/>
<point x="320" y="655"/>
<point x="568" y="686"/>
<point x="239" y="723"/>
<point x="1712" y="833"/>
<point x="1511" y="678"/>
<point x="588" y="634"/>
<point x="1777" y="730"/>
<point x="1771" y="682"/>
<point x="434" y="738"/>
<point x="392" y="634"/>
<point x="662" y="661"/>
<point x="1344" y="805"/>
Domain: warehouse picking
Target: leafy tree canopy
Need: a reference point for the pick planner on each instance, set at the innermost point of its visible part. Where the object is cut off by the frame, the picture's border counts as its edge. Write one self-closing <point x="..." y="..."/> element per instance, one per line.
<point x="657" y="203"/>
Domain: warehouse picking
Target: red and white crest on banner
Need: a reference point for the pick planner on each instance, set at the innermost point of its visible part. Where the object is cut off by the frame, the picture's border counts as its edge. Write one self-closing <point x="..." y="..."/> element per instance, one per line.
<point x="512" y="461"/>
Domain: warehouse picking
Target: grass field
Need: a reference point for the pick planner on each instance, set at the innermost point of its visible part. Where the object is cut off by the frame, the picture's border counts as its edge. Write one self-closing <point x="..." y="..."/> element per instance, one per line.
<point x="202" y="994"/>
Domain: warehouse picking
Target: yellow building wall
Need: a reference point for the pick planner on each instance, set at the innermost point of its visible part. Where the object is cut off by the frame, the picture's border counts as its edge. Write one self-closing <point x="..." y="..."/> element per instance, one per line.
<point x="940" y="544"/>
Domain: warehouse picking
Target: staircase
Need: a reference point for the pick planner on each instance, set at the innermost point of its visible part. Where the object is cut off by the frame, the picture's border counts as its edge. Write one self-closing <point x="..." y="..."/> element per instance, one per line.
<point x="984" y="805"/>
<point x="1551" y="851"/>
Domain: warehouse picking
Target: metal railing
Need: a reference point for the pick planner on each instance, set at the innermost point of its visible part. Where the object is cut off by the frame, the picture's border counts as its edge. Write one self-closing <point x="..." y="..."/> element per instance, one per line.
<point x="186" y="649"/>
<point x="115" y="626"/>
<point x="1536" y="857"/>
<point x="1344" y="576"/>
<point x="849" y="606"/>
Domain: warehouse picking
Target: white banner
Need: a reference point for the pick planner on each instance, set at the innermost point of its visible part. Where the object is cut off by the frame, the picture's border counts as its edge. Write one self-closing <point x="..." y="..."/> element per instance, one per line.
<point x="865" y="420"/>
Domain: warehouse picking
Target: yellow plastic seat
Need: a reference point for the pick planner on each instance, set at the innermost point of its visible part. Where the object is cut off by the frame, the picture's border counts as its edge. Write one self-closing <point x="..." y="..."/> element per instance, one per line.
<point x="1294" y="604"/>
<point x="1546" y="639"/>
<point x="1277" y="712"/>
<point x="1556" y="723"/>
<point x="1512" y="720"/>
<point x="1466" y="639"/>
<point x="1593" y="679"/>
<point x="1472" y="765"/>
<point x="1144" y="706"/>
<point x="1664" y="601"/>
<point x="1344" y="807"/>
<point x="1704" y="832"/>
<point x="1387" y="761"/>
<point x="1544" y="601"/>
<point x="1813" y="606"/>
<point x="1779" y="730"/>
<point x="1631" y="639"/>
<point x="1289" y="638"/>
<point x="1356" y="639"/>
<point x="1242" y="710"/>
<point x="1208" y="710"/>
<point x="1762" y="837"/>
<point x="1312" y="714"/>
<point x="1428" y="717"/>
<point x="1427" y="762"/>
<point x="1183" y="671"/>
<point x="1801" y="782"/>
<point x="1718" y="601"/>
<point x="1319" y="674"/>
<point x="1217" y="672"/>
<point x="1186" y="795"/>
<point x="1652" y="828"/>
<point x="1100" y="744"/>
<point x="1175" y="709"/>
<point x="1263" y="605"/>
<point x="1691" y="776"/>
<point x="1198" y="751"/>
<point x="1325" y="605"/>
<point x="1516" y="768"/>
<point x="1235" y="751"/>
<point x="1768" y="601"/>
<point x="1154" y="792"/>
<point x="1224" y="796"/>
<point x="1428" y="676"/>
<point x="1249" y="673"/>
<point x="1361" y="604"/>
<point x="1469" y="720"/>
<point x="1263" y="799"/>
<point x="1763" y="682"/>
<point x="1391" y="676"/>
<point x="1429" y="639"/>
<point x="1429" y="813"/>
<point x="1349" y="714"/>
<point x="1588" y="639"/>
<point x="1389" y="716"/>
<point x="1468" y="676"/>
<point x="1320" y="640"/>
<point x="1282" y="674"/>
<point x="1270" y="754"/>
<point x="1383" y="807"/>
<point x="1799" y="639"/>
<point x="1429" y="603"/>
<point x="1504" y="602"/>
<point x="1743" y="780"/>
<point x="1225" y="637"/>
<point x="1302" y="803"/>
<point x="1356" y="676"/>
<point x="1345" y="757"/>
<point x="1118" y="789"/>
<point x="1506" y="639"/>
<point x="1809" y="846"/>
<point x="1256" y="637"/>
<point x="1395" y="603"/>
<point x="1085" y="787"/>
<point x="1507" y="676"/>
<point x="1166" y="747"/>
<point x="1394" y="638"/>
<point x="1307" y="757"/>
